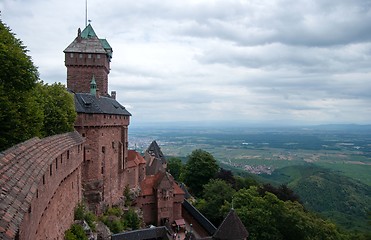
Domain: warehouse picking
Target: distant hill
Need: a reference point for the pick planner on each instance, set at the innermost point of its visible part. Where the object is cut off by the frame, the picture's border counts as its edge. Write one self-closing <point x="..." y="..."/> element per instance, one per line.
<point x="345" y="200"/>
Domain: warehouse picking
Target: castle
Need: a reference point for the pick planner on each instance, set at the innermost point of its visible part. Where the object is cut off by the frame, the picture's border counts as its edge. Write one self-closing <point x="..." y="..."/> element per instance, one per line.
<point x="43" y="180"/>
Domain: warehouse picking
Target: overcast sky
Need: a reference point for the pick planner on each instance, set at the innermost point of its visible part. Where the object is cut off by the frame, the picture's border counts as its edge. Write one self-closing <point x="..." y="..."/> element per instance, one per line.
<point x="254" y="61"/>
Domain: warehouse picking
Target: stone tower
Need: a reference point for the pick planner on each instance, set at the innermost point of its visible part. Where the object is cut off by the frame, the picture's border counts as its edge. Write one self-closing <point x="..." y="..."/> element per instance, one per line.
<point x="86" y="56"/>
<point x="101" y="120"/>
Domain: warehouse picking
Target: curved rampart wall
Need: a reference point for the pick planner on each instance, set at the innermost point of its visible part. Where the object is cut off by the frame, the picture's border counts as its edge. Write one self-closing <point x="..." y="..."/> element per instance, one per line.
<point x="40" y="182"/>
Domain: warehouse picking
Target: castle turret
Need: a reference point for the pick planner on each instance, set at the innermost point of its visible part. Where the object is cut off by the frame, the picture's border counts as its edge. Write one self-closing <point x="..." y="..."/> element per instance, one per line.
<point x="88" y="55"/>
<point x="93" y="87"/>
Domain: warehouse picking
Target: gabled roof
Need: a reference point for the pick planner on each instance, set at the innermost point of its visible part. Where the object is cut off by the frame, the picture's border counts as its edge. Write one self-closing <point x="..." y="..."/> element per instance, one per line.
<point x="155" y="164"/>
<point x="155" y="150"/>
<point x="88" y="103"/>
<point x="151" y="183"/>
<point x="134" y="159"/>
<point x="231" y="228"/>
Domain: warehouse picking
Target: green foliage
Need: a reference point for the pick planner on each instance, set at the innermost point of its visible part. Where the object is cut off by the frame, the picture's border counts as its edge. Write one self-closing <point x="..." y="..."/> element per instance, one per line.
<point x="17" y="70"/>
<point x="28" y="107"/>
<point x="175" y="167"/>
<point x="244" y="182"/>
<point x="58" y="108"/>
<point x="199" y="169"/>
<point x="267" y="217"/>
<point x="20" y="115"/>
<point x="117" y="220"/>
<point x="81" y="213"/>
<point x="215" y="193"/>
<point x="115" y="224"/>
<point x="131" y="219"/>
<point x="128" y="197"/>
<point x="335" y="196"/>
<point x="114" y="211"/>
<point x="76" y="232"/>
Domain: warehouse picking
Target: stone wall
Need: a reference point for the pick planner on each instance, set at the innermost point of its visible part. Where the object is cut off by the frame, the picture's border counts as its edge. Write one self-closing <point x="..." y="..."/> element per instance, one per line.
<point x="40" y="182"/>
<point x="82" y="66"/>
<point x="105" y="158"/>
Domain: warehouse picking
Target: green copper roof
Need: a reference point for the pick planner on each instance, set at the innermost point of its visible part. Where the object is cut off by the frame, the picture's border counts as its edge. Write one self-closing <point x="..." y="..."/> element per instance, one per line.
<point x="87" y="41"/>
<point x="106" y="47"/>
<point x="88" y="32"/>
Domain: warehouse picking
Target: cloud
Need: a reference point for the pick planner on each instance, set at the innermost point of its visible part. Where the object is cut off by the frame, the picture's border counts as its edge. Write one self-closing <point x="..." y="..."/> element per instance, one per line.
<point x="246" y="61"/>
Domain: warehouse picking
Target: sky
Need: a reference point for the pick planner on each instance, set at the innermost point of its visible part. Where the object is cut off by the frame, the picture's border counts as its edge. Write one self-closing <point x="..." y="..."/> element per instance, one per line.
<point x="284" y="62"/>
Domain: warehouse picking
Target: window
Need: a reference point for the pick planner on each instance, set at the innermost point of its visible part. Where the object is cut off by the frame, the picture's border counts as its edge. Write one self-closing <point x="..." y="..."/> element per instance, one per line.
<point x="89" y="55"/>
<point x="51" y="169"/>
<point x="84" y="157"/>
<point x="71" y="55"/>
<point x="98" y="56"/>
<point x="103" y="149"/>
<point x="68" y="154"/>
<point x="80" y="55"/>
<point x="56" y="163"/>
<point x="120" y="157"/>
<point x="44" y="179"/>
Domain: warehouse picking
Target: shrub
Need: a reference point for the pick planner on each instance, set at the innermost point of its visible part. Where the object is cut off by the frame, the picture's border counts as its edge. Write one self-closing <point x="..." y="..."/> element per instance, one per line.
<point x="76" y="232"/>
<point x="81" y="213"/>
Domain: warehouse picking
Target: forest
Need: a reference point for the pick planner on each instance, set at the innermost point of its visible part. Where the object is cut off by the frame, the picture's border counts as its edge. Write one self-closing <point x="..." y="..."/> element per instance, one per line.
<point x="267" y="211"/>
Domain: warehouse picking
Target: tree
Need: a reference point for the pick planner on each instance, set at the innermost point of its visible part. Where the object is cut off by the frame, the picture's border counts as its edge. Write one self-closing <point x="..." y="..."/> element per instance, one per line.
<point x="58" y="108"/>
<point x="282" y="192"/>
<point x="199" y="169"/>
<point x="227" y="176"/>
<point x="267" y="217"/>
<point x="29" y="108"/>
<point x="215" y="193"/>
<point x="175" y="167"/>
<point x="244" y="182"/>
<point x="20" y="115"/>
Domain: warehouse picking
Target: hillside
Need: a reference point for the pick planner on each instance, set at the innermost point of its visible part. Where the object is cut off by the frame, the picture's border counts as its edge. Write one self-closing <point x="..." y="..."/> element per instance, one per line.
<point x="336" y="196"/>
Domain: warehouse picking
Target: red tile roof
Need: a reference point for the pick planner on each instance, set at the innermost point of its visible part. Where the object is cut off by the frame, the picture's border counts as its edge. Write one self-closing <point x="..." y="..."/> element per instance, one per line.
<point x="134" y="159"/>
<point x="151" y="182"/>
<point x="21" y="171"/>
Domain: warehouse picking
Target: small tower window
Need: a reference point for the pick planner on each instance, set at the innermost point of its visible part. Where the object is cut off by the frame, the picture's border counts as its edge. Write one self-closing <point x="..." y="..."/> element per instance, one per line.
<point x="71" y="55"/>
<point x="80" y="55"/>
<point x="89" y="55"/>
<point x="98" y="56"/>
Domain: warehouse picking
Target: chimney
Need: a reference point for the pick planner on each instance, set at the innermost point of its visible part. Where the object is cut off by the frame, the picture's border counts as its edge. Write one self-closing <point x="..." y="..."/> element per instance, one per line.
<point x="97" y="93"/>
<point x="113" y="94"/>
<point x="79" y="35"/>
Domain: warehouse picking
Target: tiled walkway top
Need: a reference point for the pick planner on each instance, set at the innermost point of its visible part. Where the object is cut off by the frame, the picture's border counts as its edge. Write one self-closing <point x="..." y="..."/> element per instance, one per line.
<point x="21" y="171"/>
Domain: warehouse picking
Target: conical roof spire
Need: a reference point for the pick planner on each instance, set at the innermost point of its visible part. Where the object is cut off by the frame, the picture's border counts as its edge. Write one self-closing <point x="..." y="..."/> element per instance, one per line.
<point x="231" y="228"/>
